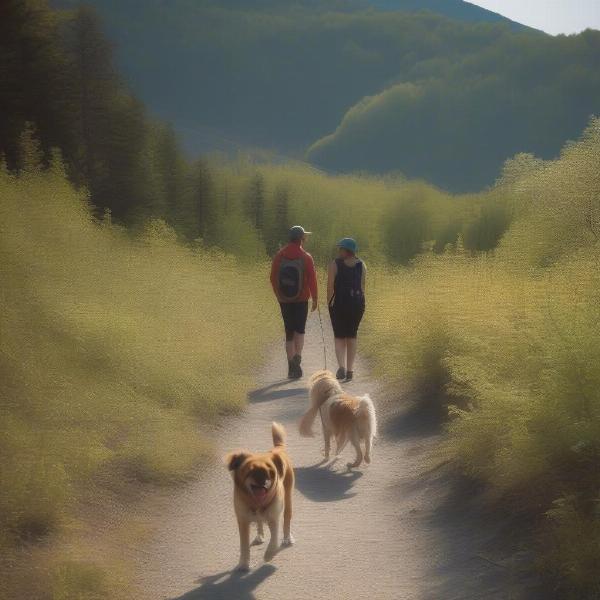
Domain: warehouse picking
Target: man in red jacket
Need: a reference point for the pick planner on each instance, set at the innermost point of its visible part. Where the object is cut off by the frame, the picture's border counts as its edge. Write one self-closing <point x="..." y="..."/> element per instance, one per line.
<point x="294" y="281"/>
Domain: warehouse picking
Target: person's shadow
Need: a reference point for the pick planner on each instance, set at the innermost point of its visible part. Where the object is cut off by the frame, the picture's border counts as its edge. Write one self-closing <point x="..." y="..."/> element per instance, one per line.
<point x="273" y="392"/>
<point x="321" y="483"/>
<point x="229" y="585"/>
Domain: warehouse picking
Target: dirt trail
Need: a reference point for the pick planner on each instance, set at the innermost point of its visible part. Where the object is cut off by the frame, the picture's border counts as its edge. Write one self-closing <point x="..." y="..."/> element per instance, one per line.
<point x="387" y="531"/>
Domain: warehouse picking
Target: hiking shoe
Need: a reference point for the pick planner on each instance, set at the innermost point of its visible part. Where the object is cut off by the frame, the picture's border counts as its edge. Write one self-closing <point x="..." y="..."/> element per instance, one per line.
<point x="349" y="375"/>
<point x="291" y="369"/>
<point x="341" y="373"/>
<point x="295" y="367"/>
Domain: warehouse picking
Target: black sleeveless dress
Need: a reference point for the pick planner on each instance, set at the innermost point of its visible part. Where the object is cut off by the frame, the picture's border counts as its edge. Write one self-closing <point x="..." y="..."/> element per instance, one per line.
<point x="348" y="303"/>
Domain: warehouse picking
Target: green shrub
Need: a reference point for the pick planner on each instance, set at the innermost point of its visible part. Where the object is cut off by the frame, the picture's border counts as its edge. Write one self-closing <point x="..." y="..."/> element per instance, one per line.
<point x="112" y="348"/>
<point x="511" y="338"/>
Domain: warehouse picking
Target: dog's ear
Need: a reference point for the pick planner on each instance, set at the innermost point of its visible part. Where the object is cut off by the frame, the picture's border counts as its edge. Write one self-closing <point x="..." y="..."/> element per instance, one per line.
<point x="278" y="462"/>
<point x="234" y="459"/>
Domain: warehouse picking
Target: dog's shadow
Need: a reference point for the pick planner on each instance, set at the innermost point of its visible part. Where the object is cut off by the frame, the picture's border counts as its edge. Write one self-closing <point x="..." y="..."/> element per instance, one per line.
<point x="229" y="584"/>
<point x="321" y="483"/>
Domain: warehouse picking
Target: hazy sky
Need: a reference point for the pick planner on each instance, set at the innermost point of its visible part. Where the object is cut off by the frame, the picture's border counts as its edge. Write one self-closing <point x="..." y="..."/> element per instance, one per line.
<point x="553" y="16"/>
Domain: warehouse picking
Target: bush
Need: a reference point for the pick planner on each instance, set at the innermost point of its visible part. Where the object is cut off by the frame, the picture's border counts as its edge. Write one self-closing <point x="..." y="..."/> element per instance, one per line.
<point x="112" y="348"/>
<point x="511" y="339"/>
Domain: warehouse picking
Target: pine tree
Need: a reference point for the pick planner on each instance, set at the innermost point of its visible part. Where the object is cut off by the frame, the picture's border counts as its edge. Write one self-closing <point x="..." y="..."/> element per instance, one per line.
<point x="32" y="76"/>
<point x="204" y="198"/>
<point x="30" y="155"/>
<point x="280" y="221"/>
<point x="255" y="202"/>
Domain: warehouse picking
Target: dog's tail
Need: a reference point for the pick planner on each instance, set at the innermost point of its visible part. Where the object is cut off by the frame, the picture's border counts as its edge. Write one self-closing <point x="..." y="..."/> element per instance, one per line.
<point x="322" y="385"/>
<point x="279" y="435"/>
<point x="366" y="408"/>
<point x="307" y="420"/>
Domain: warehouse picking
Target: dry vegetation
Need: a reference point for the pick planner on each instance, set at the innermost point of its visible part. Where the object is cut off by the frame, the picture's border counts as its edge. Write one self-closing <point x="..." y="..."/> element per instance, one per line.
<point x="112" y="348"/>
<point x="114" y="344"/>
<point x="507" y="341"/>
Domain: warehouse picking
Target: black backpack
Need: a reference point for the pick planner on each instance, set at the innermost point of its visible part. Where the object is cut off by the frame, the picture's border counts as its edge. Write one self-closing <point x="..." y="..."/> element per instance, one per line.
<point x="348" y="283"/>
<point x="291" y="278"/>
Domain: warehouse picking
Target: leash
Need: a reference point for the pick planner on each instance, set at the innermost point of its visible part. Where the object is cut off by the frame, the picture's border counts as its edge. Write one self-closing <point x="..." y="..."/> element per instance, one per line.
<point x="324" y="357"/>
<point x="322" y="337"/>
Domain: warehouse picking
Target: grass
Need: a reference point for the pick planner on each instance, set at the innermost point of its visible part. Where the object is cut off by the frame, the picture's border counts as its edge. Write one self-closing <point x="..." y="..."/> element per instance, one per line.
<point x="507" y="343"/>
<point x="113" y="347"/>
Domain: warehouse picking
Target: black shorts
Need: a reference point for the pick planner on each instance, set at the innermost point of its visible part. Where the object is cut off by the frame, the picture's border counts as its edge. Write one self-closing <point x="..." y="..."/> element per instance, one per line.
<point x="294" y="317"/>
<point x="345" y="319"/>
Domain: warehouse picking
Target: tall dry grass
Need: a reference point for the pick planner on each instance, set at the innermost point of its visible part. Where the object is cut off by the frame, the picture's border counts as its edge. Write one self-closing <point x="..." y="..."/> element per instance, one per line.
<point x="508" y="342"/>
<point x="112" y="348"/>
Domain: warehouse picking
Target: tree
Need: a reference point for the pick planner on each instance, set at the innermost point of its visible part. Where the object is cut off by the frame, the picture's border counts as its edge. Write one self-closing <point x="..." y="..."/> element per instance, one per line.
<point x="32" y="76"/>
<point x="255" y="202"/>
<point x="30" y="155"/>
<point x="204" y="198"/>
<point x="405" y="229"/>
<point x="280" y="219"/>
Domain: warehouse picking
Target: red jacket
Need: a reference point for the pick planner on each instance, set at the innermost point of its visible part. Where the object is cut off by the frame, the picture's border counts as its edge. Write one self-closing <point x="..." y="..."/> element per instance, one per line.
<point x="295" y="250"/>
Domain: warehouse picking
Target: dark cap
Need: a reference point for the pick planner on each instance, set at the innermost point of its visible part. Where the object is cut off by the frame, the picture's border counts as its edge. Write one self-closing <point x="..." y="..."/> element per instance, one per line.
<point x="297" y="232"/>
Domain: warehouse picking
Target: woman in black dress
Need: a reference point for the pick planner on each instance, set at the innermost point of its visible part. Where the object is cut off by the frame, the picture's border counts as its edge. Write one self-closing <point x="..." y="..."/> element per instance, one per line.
<point x="346" y="299"/>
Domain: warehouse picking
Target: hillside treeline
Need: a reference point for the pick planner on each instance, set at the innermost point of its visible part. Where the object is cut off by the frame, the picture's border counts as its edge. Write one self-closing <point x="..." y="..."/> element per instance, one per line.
<point x="413" y="92"/>
<point x="63" y="88"/>
<point x="57" y="72"/>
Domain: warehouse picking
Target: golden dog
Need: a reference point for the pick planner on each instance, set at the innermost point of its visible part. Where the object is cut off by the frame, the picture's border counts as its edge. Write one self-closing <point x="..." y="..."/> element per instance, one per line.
<point x="346" y="417"/>
<point x="263" y="485"/>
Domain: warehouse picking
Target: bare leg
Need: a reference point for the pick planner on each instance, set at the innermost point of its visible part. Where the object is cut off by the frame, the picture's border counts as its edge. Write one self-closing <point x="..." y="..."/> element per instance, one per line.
<point x="288" y="539"/>
<point x="290" y="349"/>
<point x="298" y="343"/>
<point x="340" y="352"/>
<point x="244" y="564"/>
<point x="274" y="541"/>
<point x="355" y="441"/>
<point x="351" y="346"/>
<point x="260" y="534"/>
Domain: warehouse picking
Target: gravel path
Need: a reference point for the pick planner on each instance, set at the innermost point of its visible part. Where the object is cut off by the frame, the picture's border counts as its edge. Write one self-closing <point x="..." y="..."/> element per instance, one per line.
<point x="392" y="530"/>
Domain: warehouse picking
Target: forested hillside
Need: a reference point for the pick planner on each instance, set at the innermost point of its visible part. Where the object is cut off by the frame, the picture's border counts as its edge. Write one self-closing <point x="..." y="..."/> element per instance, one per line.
<point x="455" y="9"/>
<point x="283" y="75"/>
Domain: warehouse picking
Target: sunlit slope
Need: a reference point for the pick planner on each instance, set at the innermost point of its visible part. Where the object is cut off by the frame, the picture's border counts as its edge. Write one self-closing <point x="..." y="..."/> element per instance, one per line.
<point x="507" y="344"/>
<point x="113" y="347"/>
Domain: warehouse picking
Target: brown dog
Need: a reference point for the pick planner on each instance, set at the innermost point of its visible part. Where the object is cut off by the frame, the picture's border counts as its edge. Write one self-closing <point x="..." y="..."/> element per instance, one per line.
<point x="262" y="490"/>
<point x="345" y="417"/>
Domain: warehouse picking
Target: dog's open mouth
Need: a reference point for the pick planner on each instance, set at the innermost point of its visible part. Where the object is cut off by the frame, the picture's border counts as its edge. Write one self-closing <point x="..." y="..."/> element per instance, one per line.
<point x="259" y="492"/>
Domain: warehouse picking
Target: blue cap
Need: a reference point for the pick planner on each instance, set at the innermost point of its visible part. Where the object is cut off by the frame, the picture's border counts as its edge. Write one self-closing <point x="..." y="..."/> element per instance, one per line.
<point x="297" y="232"/>
<point x="348" y="244"/>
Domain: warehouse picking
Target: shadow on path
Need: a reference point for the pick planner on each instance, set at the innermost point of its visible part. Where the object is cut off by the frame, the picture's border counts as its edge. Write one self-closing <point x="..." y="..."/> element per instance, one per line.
<point x="229" y="585"/>
<point x="320" y="483"/>
<point x="271" y="392"/>
<point x="414" y="422"/>
<point x="480" y="549"/>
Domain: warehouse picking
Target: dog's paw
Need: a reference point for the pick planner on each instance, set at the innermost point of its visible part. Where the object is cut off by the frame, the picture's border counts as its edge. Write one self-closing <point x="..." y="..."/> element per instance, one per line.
<point x="242" y="568"/>
<point x="288" y="541"/>
<point x="368" y="460"/>
<point x="258" y="540"/>
<point x="270" y="553"/>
